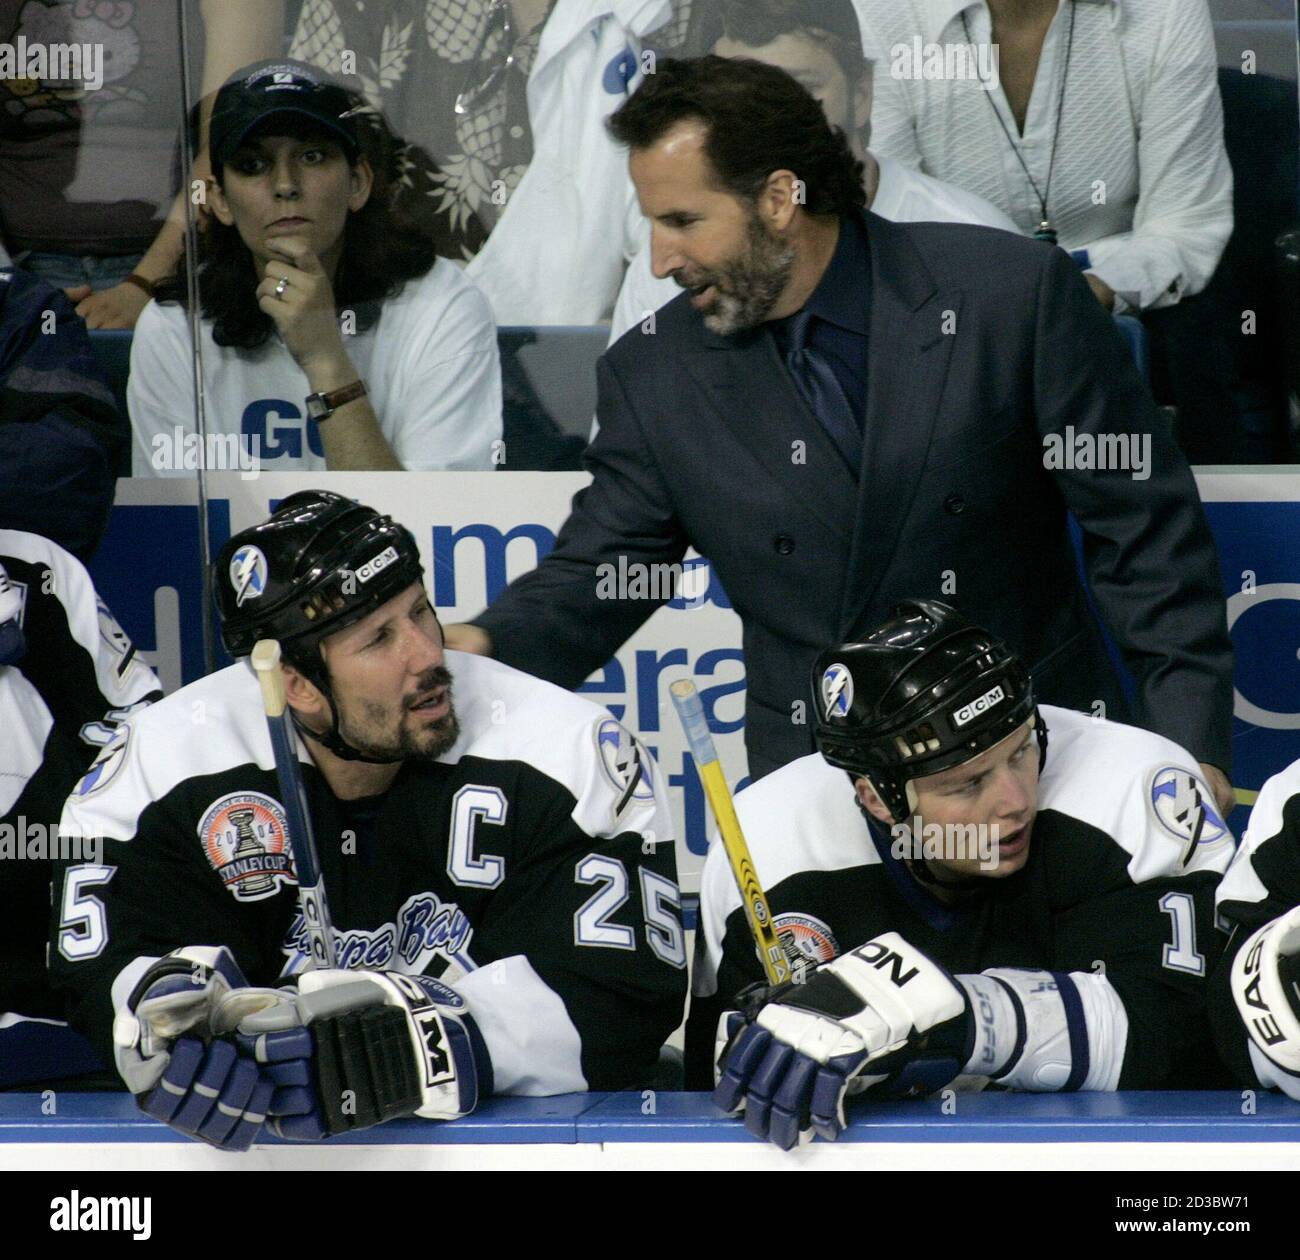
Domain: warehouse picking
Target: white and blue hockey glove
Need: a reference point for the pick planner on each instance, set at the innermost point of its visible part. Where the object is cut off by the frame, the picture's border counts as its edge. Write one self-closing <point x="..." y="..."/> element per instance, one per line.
<point x="883" y="1018"/>
<point x="166" y="1050"/>
<point x="351" y="1049"/>
<point x="1266" y="987"/>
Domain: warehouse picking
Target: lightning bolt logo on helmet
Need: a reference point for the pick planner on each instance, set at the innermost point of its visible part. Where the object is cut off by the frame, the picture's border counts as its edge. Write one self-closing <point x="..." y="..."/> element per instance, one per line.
<point x="837" y="690"/>
<point x="247" y="574"/>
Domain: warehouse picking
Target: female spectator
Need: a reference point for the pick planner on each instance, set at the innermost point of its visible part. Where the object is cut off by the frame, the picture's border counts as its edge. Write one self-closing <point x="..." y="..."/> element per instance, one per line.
<point x="332" y="336"/>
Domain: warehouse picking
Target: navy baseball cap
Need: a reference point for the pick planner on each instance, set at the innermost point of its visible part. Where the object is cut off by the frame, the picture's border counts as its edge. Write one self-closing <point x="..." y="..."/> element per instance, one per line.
<point x="273" y="89"/>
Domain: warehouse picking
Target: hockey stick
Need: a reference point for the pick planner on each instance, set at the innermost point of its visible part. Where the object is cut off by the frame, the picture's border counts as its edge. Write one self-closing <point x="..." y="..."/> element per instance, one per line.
<point x="691" y="712"/>
<point x="284" y="744"/>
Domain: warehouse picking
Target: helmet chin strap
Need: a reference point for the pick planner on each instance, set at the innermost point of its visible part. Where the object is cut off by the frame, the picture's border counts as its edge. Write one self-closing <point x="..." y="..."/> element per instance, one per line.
<point x="331" y="739"/>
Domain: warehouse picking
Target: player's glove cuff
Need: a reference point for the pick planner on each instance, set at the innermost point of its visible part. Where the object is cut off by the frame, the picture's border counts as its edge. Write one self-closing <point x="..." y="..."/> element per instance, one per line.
<point x="1266" y="987"/>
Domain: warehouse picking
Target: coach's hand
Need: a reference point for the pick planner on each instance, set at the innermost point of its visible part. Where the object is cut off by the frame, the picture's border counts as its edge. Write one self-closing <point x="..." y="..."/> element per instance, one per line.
<point x="883" y="1017"/>
<point x="296" y="293"/>
<point x="460" y="636"/>
<point x="1218" y="783"/>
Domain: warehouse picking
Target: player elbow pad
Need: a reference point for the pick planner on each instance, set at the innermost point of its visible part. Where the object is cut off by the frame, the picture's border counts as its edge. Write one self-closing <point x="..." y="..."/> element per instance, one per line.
<point x="1046" y="1030"/>
<point x="1270" y="1013"/>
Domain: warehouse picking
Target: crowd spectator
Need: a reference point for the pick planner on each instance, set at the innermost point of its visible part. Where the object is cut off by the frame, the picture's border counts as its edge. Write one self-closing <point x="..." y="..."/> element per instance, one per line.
<point x="89" y="167"/>
<point x="332" y="335"/>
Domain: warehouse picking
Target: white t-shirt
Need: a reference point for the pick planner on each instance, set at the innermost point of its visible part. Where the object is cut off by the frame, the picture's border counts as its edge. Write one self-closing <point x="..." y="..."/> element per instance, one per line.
<point x="429" y="363"/>
<point x="903" y="195"/>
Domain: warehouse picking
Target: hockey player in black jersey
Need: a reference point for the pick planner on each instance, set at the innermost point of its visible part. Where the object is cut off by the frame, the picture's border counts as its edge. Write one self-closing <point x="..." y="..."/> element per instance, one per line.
<point x="68" y="677"/>
<point x="1016" y="894"/>
<point x="497" y="858"/>
<point x="1255" y="991"/>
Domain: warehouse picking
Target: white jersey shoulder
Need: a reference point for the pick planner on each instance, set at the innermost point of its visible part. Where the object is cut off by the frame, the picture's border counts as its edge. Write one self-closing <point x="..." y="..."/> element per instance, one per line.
<point x="1242" y="882"/>
<point x="802" y="817"/>
<point x="506" y="714"/>
<point x="207" y="727"/>
<point x="1142" y="790"/>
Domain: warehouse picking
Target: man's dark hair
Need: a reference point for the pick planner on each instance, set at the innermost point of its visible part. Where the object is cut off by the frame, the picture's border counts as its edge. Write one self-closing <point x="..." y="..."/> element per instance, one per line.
<point x="759" y="120"/>
<point x="382" y="250"/>
<point x="833" y="23"/>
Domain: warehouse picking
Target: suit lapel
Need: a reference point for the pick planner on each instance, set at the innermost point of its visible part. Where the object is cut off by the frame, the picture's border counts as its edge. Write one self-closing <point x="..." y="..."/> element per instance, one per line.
<point x="907" y="367"/>
<point x="746" y="382"/>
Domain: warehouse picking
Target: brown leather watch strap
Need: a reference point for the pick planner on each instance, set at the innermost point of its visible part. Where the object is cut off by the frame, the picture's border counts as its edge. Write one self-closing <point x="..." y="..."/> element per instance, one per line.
<point x="321" y="406"/>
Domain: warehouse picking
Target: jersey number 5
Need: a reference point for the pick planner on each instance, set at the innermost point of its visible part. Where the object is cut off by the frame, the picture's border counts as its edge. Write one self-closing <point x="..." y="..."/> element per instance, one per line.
<point x="83" y="925"/>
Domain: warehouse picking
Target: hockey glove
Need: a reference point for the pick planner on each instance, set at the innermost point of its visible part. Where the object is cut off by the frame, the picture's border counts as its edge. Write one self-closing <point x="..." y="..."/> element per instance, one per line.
<point x="883" y="1017"/>
<point x="164" y="1048"/>
<point x="1266" y="987"/>
<point x="352" y="1048"/>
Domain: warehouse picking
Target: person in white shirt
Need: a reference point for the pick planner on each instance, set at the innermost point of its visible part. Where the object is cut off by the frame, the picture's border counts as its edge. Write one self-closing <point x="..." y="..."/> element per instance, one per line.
<point x="1098" y="125"/>
<point x="819" y="43"/>
<point x="332" y="336"/>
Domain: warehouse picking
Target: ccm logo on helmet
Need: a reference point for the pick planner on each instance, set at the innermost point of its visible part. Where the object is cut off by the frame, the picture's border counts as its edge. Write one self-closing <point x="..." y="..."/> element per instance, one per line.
<point x="377" y="565"/>
<point x="968" y="712"/>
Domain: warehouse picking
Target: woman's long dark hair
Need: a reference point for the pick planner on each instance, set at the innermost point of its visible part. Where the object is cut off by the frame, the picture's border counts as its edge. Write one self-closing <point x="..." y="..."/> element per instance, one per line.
<point x="383" y="248"/>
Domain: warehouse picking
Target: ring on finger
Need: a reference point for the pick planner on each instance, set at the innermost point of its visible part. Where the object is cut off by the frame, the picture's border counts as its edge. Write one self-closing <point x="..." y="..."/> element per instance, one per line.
<point x="281" y="286"/>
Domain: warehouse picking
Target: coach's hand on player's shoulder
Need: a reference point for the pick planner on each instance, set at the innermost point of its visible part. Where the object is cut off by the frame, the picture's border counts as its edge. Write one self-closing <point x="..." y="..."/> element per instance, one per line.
<point x="296" y="293"/>
<point x="351" y="1049"/>
<point x="166" y="1050"/>
<point x="1225" y="798"/>
<point x="460" y="636"/>
<point x="883" y="1018"/>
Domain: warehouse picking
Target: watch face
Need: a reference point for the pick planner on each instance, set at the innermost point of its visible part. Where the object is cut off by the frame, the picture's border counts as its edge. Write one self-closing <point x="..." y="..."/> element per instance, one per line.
<point x="317" y="407"/>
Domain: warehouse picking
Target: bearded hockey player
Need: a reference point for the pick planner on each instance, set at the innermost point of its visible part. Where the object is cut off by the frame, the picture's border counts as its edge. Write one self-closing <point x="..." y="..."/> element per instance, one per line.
<point x="1255" y="992"/>
<point x="496" y="855"/>
<point x="68" y="677"/>
<point x="979" y="900"/>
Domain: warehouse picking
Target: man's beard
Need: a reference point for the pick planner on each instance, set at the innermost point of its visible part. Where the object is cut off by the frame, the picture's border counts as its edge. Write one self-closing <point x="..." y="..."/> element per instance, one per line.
<point x="748" y="287"/>
<point x="426" y="743"/>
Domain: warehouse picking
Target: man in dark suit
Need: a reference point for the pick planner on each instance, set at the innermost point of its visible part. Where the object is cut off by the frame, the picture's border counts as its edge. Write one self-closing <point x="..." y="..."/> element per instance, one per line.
<point x="843" y="412"/>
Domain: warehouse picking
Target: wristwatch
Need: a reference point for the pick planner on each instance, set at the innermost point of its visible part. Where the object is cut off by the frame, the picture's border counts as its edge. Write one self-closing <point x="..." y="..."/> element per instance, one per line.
<point x="321" y="406"/>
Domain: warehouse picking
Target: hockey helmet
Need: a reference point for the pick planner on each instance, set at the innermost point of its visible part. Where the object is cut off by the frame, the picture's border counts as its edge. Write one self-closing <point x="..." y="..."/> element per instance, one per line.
<point x="317" y="564"/>
<point x="923" y="692"/>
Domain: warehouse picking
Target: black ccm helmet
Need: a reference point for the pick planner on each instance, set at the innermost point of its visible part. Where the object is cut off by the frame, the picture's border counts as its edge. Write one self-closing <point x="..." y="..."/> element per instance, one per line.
<point x="317" y="564"/>
<point x="924" y="691"/>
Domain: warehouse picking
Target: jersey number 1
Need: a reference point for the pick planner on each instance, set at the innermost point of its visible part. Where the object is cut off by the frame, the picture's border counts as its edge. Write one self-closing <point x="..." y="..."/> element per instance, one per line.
<point x="1181" y="955"/>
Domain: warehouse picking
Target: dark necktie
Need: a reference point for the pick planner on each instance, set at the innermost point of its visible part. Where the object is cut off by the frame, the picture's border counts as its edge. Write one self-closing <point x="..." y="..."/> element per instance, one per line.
<point x="822" y="391"/>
